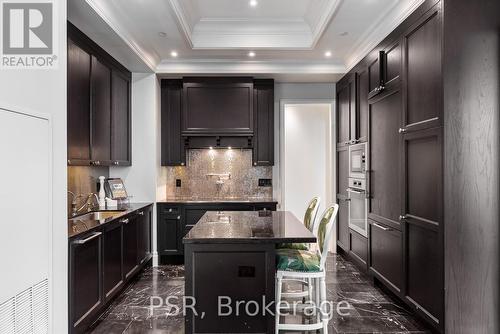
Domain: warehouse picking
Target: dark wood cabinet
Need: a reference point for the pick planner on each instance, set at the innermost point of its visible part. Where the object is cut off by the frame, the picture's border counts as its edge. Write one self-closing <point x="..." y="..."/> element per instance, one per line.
<point x="120" y="119"/>
<point x="170" y="231"/>
<point x="263" y="146"/>
<point x="362" y="103"/>
<point x="345" y="110"/>
<point x="100" y="113"/>
<point x="384" y="203"/>
<point x="342" y="197"/>
<point x="358" y="248"/>
<point x="376" y="73"/>
<point x="217" y="106"/>
<point x="423" y="213"/>
<point x="144" y="217"/>
<point x="112" y="268"/>
<point x="172" y="148"/>
<point x="343" y="224"/>
<point x="422" y="73"/>
<point x="102" y="262"/>
<point x="386" y="255"/>
<point x="99" y="119"/>
<point x="78" y="104"/>
<point x="85" y="277"/>
<point x="130" y="245"/>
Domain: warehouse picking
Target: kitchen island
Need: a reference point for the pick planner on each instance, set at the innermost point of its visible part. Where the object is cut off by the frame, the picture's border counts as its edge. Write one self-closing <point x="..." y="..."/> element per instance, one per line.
<point x="230" y="267"/>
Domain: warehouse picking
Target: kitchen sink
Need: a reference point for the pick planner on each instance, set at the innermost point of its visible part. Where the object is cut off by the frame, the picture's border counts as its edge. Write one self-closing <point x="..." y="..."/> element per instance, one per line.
<point x="98" y="215"/>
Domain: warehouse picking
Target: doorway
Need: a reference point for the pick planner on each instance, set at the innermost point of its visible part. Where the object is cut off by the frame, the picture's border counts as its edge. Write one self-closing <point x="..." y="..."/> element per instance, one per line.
<point x="306" y="164"/>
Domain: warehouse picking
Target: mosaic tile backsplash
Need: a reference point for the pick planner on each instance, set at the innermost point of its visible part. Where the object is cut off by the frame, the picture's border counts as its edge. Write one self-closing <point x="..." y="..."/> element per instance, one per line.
<point x="196" y="181"/>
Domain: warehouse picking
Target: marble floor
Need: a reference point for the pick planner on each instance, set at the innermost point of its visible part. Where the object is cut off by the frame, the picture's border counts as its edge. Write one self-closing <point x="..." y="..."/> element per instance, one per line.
<point x="369" y="309"/>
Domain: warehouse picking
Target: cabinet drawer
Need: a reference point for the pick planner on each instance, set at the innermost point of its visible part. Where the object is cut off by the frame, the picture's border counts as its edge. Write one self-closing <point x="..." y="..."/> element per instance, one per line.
<point x="170" y="210"/>
<point x="386" y="254"/>
<point x="359" y="247"/>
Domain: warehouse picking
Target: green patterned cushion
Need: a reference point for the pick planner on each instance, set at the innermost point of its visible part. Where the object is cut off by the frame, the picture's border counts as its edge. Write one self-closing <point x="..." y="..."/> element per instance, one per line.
<point x="293" y="246"/>
<point x="297" y="260"/>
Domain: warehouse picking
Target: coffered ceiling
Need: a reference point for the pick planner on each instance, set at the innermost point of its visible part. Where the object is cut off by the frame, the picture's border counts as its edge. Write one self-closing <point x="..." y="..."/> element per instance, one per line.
<point x="299" y="40"/>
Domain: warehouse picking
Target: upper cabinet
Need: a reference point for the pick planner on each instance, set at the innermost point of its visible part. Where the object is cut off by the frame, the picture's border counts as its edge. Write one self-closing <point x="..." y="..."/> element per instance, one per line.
<point x="218" y="112"/>
<point x="99" y="131"/>
<point x="78" y="104"/>
<point x="263" y="146"/>
<point x="217" y="106"/>
<point x="351" y="120"/>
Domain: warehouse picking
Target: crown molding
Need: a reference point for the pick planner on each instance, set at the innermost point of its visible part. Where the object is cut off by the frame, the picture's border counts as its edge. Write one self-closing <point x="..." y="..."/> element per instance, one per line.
<point x="293" y="33"/>
<point x="123" y="34"/>
<point x="248" y="67"/>
<point x="378" y="31"/>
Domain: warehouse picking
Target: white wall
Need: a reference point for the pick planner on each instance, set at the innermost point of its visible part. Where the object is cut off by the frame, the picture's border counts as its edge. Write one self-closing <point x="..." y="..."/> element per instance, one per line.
<point x="44" y="91"/>
<point x="141" y="178"/>
<point x="307" y="157"/>
<point x="294" y="91"/>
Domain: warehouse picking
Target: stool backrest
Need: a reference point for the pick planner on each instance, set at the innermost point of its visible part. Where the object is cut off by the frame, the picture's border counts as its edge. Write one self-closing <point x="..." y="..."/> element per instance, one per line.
<point x="325" y="230"/>
<point x="311" y="212"/>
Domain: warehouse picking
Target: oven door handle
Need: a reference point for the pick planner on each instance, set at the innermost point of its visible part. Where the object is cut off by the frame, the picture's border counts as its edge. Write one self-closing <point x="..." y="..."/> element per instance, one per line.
<point x="351" y="190"/>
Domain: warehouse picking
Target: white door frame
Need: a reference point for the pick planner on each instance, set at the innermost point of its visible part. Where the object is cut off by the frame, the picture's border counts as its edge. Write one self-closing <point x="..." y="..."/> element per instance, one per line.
<point x="282" y="136"/>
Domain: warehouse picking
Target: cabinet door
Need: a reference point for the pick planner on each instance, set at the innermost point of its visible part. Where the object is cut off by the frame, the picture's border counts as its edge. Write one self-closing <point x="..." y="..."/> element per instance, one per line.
<point x="386" y="255"/>
<point x="422" y="208"/>
<point x="144" y="234"/>
<point x="120" y="119"/>
<point x="101" y="113"/>
<point x="422" y="75"/>
<point x="342" y="184"/>
<point x="384" y="159"/>
<point x="78" y="105"/>
<point x="392" y="68"/>
<point x="130" y="241"/>
<point x="362" y="110"/>
<point x="85" y="280"/>
<point x="169" y="234"/>
<point x="172" y="145"/>
<point x="112" y="259"/>
<point x="375" y="73"/>
<point x="263" y="147"/>
<point x="218" y="106"/>
<point x="343" y="224"/>
<point x="343" y="115"/>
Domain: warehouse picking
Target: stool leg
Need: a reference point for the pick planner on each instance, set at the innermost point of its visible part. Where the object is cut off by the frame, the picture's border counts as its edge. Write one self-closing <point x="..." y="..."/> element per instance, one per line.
<point x="324" y="315"/>
<point x="310" y="288"/>
<point x="317" y="300"/>
<point x="279" y="283"/>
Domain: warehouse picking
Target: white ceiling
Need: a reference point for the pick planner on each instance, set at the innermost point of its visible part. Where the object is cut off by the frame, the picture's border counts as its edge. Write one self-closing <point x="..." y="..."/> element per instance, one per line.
<point x="289" y="37"/>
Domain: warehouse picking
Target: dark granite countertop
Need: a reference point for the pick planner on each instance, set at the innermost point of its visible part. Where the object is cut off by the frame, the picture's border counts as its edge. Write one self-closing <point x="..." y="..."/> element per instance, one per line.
<point x="199" y="199"/>
<point x="249" y="227"/>
<point x="77" y="225"/>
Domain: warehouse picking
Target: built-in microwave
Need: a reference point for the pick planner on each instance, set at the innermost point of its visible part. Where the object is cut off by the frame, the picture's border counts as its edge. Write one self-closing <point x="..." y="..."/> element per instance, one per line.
<point x="357" y="161"/>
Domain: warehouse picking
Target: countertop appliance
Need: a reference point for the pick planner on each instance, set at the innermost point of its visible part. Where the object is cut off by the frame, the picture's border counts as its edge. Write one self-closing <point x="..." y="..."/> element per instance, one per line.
<point x="357" y="161"/>
<point x="358" y="204"/>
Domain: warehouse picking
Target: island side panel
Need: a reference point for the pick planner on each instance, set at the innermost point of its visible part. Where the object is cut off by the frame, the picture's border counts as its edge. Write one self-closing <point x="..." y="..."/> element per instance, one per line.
<point x="240" y="271"/>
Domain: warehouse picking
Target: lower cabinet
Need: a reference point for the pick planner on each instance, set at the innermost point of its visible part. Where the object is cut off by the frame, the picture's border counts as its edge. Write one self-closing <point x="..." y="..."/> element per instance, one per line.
<point x="102" y="262"/>
<point x="112" y="259"/>
<point x="175" y="220"/>
<point x="343" y="224"/>
<point x="85" y="280"/>
<point x="386" y="255"/>
<point x="358" y="248"/>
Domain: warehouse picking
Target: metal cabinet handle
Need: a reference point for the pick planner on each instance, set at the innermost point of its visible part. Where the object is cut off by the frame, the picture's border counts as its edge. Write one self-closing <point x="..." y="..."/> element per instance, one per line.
<point x="383" y="228"/>
<point x="402" y="217"/>
<point x="83" y="241"/>
<point x="349" y="190"/>
<point x="170" y="210"/>
<point x="402" y="130"/>
<point x="116" y="163"/>
<point x="124" y="220"/>
<point x="178" y="217"/>
<point x="140" y="213"/>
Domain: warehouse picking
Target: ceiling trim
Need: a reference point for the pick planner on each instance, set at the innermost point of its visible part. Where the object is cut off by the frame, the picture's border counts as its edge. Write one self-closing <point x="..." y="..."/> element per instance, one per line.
<point x="124" y="35"/>
<point x="326" y="17"/>
<point x="269" y="33"/>
<point x="248" y="67"/>
<point x="378" y="31"/>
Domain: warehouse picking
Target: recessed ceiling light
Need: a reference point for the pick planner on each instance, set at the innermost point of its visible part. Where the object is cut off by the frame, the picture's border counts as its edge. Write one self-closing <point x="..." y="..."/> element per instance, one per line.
<point x="162" y="34"/>
<point x="174" y="54"/>
<point x="328" y="54"/>
<point x="251" y="54"/>
<point x="253" y="3"/>
<point x="345" y="33"/>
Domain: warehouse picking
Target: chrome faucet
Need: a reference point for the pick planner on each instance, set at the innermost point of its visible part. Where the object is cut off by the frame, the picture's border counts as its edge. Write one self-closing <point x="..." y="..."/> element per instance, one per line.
<point x="74" y="210"/>
<point x="88" y="203"/>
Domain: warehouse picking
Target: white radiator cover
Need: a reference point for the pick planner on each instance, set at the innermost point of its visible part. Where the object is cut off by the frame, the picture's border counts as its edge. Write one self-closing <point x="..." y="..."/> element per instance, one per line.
<point x="26" y="238"/>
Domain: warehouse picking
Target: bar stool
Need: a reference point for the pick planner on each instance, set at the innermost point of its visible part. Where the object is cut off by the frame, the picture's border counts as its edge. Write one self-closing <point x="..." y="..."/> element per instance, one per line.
<point x="304" y="265"/>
